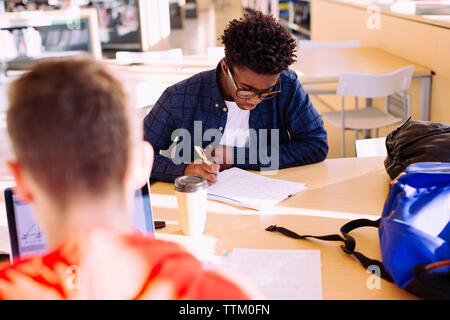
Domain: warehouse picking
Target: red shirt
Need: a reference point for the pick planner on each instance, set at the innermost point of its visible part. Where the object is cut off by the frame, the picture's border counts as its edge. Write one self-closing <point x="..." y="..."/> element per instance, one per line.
<point x="103" y="265"/>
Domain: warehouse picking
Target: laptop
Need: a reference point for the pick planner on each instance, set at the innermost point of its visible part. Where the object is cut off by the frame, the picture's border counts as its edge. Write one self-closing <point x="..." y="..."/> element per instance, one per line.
<point x="27" y="238"/>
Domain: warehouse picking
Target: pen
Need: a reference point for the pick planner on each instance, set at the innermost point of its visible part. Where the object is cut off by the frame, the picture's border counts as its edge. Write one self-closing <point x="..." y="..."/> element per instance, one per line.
<point x="202" y="155"/>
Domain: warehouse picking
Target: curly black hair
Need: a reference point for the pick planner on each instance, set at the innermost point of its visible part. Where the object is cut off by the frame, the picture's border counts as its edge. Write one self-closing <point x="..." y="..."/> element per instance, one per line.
<point x="260" y="43"/>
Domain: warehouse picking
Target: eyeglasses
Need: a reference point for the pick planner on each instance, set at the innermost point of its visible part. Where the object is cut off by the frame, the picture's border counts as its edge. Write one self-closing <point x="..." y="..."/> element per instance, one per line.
<point x="247" y="94"/>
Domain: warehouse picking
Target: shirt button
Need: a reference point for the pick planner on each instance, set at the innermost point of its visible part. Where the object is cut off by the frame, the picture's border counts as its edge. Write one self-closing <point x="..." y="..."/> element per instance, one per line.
<point x="224" y="108"/>
<point x="220" y="128"/>
<point x="217" y="105"/>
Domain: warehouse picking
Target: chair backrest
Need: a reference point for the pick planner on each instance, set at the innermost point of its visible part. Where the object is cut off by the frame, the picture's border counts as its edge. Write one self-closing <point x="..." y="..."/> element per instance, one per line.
<point x="312" y="44"/>
<point x="371" y="147"/>
<point x="374" y="85"/>
<point x="148" y="92"/>
<point x="216" y="53"/>
<point x="127" y="57"/>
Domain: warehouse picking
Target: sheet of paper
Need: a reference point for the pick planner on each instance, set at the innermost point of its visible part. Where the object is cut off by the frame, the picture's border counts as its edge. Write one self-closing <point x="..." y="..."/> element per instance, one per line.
<point x="278" y="274"/>
<point x="242" y="188"/>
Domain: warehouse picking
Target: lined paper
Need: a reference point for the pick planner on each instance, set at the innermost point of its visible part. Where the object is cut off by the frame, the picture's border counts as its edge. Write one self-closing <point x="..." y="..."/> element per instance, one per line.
<point x="242" y="188"/>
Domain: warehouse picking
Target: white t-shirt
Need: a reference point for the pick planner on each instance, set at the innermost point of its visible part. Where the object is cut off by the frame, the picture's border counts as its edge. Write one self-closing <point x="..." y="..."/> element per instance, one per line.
<point x="236" y="133"/>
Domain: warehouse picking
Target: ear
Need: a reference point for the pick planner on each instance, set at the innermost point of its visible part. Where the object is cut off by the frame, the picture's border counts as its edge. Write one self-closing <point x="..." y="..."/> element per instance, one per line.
<point x="143" y="164"/>
<point x="22" y="187"/>
<point x="224" y="65"/>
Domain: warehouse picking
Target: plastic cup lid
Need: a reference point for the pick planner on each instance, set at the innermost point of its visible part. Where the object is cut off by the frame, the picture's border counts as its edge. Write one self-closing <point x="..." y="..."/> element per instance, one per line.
<point x="190" y="183"/>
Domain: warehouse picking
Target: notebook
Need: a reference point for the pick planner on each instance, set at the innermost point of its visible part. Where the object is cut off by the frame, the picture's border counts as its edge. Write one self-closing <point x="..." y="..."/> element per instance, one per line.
<point x="250" y="190"/>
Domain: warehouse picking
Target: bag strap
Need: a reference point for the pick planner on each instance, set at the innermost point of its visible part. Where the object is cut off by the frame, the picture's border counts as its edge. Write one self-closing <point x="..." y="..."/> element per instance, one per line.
<point x="349" y="242"/>
<point x="431" y="266"/>
<point x="430" y="282"/>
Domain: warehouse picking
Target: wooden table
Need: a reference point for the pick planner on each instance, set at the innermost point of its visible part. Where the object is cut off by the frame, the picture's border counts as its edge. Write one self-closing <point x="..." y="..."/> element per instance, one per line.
<point x="312" y="67"/>
<point x="338" y="190"/>
<point x="325" y="65"/>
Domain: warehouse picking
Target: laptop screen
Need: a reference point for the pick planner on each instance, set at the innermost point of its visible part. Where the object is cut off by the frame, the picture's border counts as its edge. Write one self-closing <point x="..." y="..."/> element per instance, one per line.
<point x="27" y="238"/>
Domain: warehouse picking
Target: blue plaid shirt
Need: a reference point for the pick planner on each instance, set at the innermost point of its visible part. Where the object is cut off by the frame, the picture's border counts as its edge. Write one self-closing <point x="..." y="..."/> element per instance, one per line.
<point x="302" y="138"/>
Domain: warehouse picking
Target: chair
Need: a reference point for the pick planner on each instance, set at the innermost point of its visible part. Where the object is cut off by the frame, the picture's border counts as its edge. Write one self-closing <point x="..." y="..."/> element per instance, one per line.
<point x="148" y="92"/>
<point x="369" y="86"/>
<point x="371" y="147"/>
<point x="216" y="53"/>
<point x="325" y="88"/>
<point x="127" y="57"/>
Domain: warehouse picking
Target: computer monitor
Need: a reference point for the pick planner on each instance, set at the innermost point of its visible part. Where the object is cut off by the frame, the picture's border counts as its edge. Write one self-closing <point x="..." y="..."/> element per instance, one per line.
<point x="36" y="35"/>
<point x="27" y="237"/>
<point x="132" y="25"/>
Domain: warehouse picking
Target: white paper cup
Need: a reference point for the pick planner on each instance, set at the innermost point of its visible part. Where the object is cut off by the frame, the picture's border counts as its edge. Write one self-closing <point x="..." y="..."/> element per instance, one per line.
<point x="191" y="192"/>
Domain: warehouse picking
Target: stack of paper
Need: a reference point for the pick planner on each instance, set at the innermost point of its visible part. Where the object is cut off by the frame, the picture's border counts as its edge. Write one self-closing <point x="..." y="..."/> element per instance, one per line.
<point x="278" y="274"/>
<point x="242" y="188"/>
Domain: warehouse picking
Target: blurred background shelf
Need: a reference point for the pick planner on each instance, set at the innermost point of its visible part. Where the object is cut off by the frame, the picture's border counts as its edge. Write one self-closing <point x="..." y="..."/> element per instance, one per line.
<point x="294" y="14"/>
<point x="177" y="10"/>
<point x="191" y="9"/>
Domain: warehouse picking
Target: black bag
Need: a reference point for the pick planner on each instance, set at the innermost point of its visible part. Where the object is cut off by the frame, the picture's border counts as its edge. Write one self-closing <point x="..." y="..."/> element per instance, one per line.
<point x="416" y="141"/>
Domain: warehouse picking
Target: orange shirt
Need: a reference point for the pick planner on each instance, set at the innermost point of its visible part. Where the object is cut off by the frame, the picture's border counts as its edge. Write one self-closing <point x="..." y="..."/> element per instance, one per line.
<point x="103" y="265"/>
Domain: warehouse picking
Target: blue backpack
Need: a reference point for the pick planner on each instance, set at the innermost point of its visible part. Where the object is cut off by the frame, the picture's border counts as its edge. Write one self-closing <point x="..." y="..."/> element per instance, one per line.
<point x="414" y="232"/>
